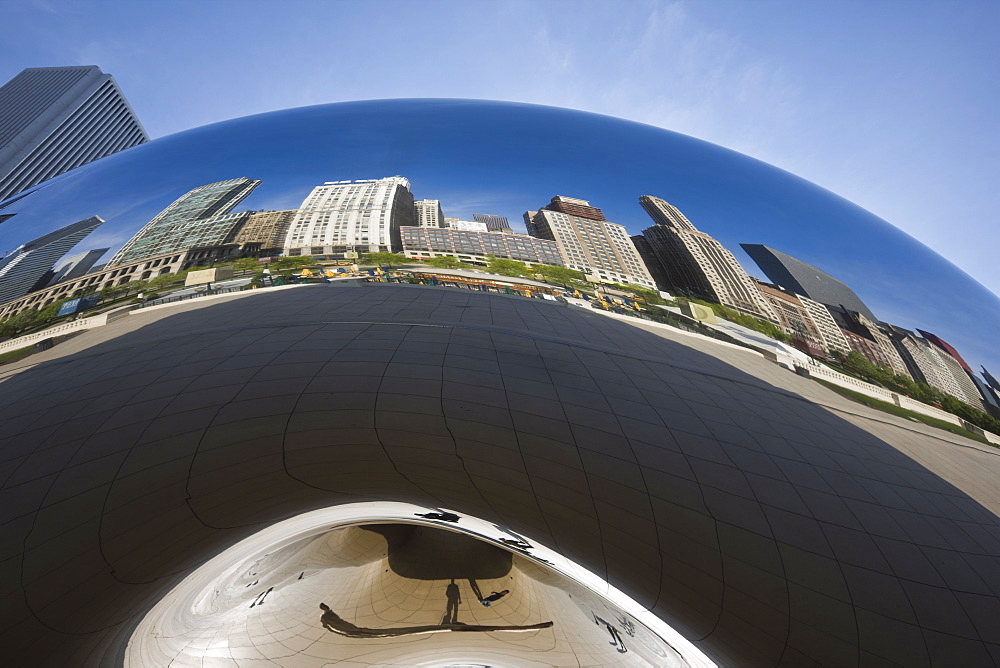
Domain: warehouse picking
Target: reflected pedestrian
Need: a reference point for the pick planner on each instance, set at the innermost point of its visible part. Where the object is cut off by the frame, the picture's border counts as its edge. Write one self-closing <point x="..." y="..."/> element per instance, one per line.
<point x="442" y="516"/>
<point x="454" y="600"/>
<point x="494" y="597"/>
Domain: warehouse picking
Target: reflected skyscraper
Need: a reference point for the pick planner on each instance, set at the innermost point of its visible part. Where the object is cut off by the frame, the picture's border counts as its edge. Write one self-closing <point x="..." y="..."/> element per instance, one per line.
<point x="362" y="216"/>
<point x="77" y="265"/>
<point x="588" y="242"/>
<point x="22" y="269"/>
<point x="53" y="119"/>
<point x="184" y="223"/>
<point x="428" y="213"/>
<point x="805" y="279"/>
<point x="265" y="230"/>
<point x="959" y="368"/>
<point x="698" y="264"/>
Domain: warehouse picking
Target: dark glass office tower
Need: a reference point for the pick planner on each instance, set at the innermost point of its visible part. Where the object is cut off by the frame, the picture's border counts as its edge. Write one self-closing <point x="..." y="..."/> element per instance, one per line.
<point x="23" y="268"/>
<point x="53" y="119"/>
<point x="804" y="279"/>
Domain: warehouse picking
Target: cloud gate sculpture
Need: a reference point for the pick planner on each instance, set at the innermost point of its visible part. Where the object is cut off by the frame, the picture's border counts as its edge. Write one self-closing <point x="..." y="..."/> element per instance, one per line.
<point x="380" y="471"/>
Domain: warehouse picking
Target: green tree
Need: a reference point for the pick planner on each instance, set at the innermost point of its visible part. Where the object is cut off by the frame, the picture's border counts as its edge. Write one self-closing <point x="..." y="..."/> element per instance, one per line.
<point x="164" y="280"/>
<point x="246" y="264"/>
<point x="383" y="259"/>
<point x="505" y="267"/>
<point x="561" y="275"/>
<point x="13" y="325"/>
<point x="291" y="261"/>
<point x="445" y="262"/>
<point x="111" y="292"/>
<point x="135" y="286"/>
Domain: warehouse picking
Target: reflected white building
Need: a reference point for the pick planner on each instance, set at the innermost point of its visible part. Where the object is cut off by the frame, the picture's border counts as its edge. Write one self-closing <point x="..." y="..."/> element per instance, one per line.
<point x="363" y="216"/>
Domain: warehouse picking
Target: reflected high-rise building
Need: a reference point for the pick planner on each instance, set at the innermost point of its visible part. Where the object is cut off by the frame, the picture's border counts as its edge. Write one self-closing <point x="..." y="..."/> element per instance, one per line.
<point x="265" y="230"/>
<point x="697" y="264"/>
<point x="959" y="368"/>
<point x="191" y="220"/>
<point x="363" y="216"/>
<point x="806" y="321"/>
<point x="77" y="265"/>
<point x="588" y="242"/>
<point x="804" y="279"/>
<point x="22" y="269"/>
<point x="935" y="365"/>
<point x="869" y="339"/>
<point x="53" y="119"/>
<point x="428" y="213"/>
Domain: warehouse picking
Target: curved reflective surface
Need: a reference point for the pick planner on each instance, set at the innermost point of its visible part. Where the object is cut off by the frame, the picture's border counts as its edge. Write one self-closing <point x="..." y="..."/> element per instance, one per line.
<point x="625" y="477"/>
<point x="343" y="583"/>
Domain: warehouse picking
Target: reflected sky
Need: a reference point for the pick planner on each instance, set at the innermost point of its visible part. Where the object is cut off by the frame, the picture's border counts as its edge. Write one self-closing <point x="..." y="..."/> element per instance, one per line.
<point x="504" y="159"/>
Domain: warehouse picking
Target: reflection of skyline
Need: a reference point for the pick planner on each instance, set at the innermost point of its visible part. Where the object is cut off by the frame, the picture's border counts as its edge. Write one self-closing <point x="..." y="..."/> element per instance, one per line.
<point x="822" y="315"/>
<point x="901" y="280"/>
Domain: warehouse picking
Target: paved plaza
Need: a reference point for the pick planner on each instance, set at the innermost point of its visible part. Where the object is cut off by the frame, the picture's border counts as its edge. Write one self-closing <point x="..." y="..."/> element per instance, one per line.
<point x="767" y="519"/>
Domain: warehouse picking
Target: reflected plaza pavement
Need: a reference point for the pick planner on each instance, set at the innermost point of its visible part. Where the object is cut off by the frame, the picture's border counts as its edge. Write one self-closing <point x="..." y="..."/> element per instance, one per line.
<point x="763" y="518"/>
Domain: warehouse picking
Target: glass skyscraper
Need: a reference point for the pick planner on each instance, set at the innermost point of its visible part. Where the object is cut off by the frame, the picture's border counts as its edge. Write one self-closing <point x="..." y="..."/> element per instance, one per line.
<point x="53" y="119"/>
<point x="196" y="218"/>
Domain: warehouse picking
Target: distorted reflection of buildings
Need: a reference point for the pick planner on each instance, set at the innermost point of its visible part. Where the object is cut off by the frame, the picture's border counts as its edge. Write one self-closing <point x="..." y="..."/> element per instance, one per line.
<point x="76" y="265"/>
<point x="362" y="216"/>
<point x="493" y="223"/>
<point x="866" y="337"/>
<point x="588" y="242"/>
<point x="54" y="119"/>
<point x="959" y="368"/>
<point x="196" y="218"/>
<point x="929" y="360"/>
<point x="264" y="232"/>
<point x="697" y="264"/>
<point x="478" y="246"/>
<point x="428" y="213"/>
<point x="169" y="263"/>
<point x="812" y="328"/>
<point x="24" y="268"/>
<point x="804" y="279"/>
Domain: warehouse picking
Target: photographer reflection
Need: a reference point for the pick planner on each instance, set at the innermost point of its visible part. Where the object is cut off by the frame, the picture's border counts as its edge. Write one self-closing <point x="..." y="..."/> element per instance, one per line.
<point x="454" y="599"/>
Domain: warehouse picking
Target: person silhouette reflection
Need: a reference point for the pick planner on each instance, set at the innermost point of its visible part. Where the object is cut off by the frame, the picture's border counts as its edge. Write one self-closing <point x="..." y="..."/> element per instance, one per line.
<point x="493" y="598"/>
<point x="336" y="624"/>
<point x="454" y="600"/>
<point x="442" y="516"/>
